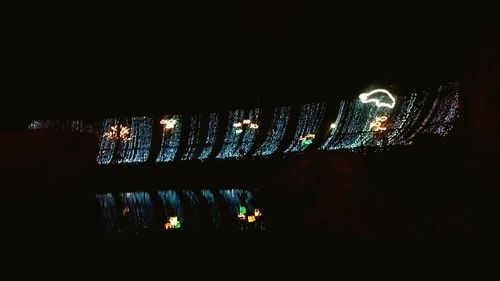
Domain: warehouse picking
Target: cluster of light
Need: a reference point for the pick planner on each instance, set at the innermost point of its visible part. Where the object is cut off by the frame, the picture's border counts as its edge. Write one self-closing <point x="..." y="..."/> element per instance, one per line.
<point x="138" y="206"/>
<point x="170" y="141"/>
<point x="413" y="115"/>
<point x="310" y="118"/>
<point x="109" y="211"/>
<point x="173" y="223"/>
<point x="168" y="123"/>
<point x="199" y="146"/>
<point x="81" y="126"/>
<point x="307" y="139"/>
<point x="137" y="149"/>
<point x="136" y="211"/>
<point x="106" y="145"/>
<point x="377" y="124"/>
<point x="379" y="97"/>
<point x="275" y="133"/>
<point x="118" y="132"/>
<point x="333" y="126"/>
<point x="239" y="125"/>
<point x="209" y="143"/>
<point x="239" y="139"/>
<point x="172" y="204"/>
<point x="444" y="111"/>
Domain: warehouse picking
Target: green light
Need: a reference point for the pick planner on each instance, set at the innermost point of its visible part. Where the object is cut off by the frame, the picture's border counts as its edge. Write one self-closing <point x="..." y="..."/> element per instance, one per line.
<point x="239" y="131"/>
<point x="243" y="210"/>
<point x="306" y="142"/>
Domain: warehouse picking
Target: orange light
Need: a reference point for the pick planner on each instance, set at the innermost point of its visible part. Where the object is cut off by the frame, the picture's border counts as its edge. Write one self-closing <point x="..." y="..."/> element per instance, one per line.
<point x="251" y="218"/>
<point x="247" y="121"/>
<point x="168" y="226"/>
<point x="377" y="124"/>
<point x="254" y="126"/>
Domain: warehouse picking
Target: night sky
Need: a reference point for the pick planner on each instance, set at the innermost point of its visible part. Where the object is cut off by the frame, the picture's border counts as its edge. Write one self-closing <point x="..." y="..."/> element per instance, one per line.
<point x="87" y="63"/>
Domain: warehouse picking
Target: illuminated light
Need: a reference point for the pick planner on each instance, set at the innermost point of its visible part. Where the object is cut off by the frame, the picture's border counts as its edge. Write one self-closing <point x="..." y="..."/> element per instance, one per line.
<point x="200" y="145"/>
<point x="237" y="125"/>
<point x="275" y="133"/>
<point x="173" y="223"/>
<point x="109" y="210"/>
<point x="368" y="98"/>
<point x="238" y="141"/>
<point x="243" y="210"/>
<point x="118" y="132"/>
<point x="257" y="213"/>
<point x="242" y="217"/>
<point x="170" y="140"/>
<point x="136" y="150"/>
<point x="254" y="126"/>
<point x="377" y="124"/>
<point x="306" y="142"/>
<point x="251" y="218"/>
<point x="168" y="123"/>
<point x="310" y="119"/>
<point x="246" y="121"/>
<point x="333" y="126"/>
<point x="139" y="210"/>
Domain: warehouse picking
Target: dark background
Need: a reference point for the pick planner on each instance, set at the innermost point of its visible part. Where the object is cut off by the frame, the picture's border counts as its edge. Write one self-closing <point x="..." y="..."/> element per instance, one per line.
<point x="92" y="62"/>
<point x="82" y="62"/>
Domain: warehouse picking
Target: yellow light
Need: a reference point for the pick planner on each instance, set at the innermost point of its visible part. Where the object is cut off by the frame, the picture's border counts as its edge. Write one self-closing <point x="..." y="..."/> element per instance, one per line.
<point x="123" y="134"/>
<point x="333" y="126"/>
<point x="366" y="98"/>
<point x="257" y="213"/>
<point x="251" y="218"/>
<point x="173" y="220"/>
<point x="377" y="124"/>
<point x="237" y="125"/>
<point x="247" y="121"/>
<point x="168" y="226"/>
<point x="254" y="126"/>
<point x="169" y="123"/>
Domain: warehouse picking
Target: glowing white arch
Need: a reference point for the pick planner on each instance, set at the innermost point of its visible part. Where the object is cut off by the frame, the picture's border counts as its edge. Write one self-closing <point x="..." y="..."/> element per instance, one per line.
<point x="365" y="98"/>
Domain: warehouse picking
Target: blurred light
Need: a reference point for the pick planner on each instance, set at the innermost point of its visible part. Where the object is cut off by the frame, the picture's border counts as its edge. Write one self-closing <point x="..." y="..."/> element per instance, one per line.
<point x="246" y="121"/>
<point x="169" y="123"/>
<point x="251" y="218"/>
<point x="237" y="125"/>
<point x="366" y="98"/>
<point x="377" y="124"/>
<point x="238" y="131"/>
<point x="333" y="126"/>
<point x="257" y="213"/>
<point x="254" y="126"/>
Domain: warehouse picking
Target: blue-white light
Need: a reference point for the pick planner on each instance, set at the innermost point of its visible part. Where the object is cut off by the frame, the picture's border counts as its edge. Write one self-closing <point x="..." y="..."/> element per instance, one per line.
<point x="275" y="133"/>
<point x="239" y="140"/>
<point x="137" y="149"/>
<point x="106" y="145"/>
<point x="310" y="119"/>
<point x="109" y="210"/>
<point x="200" y="147"/>
<point x="411" y="116"/>
<point x="172" y="204"/>
<point x="140" y="212"/>
<point x="170" y="141"/>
